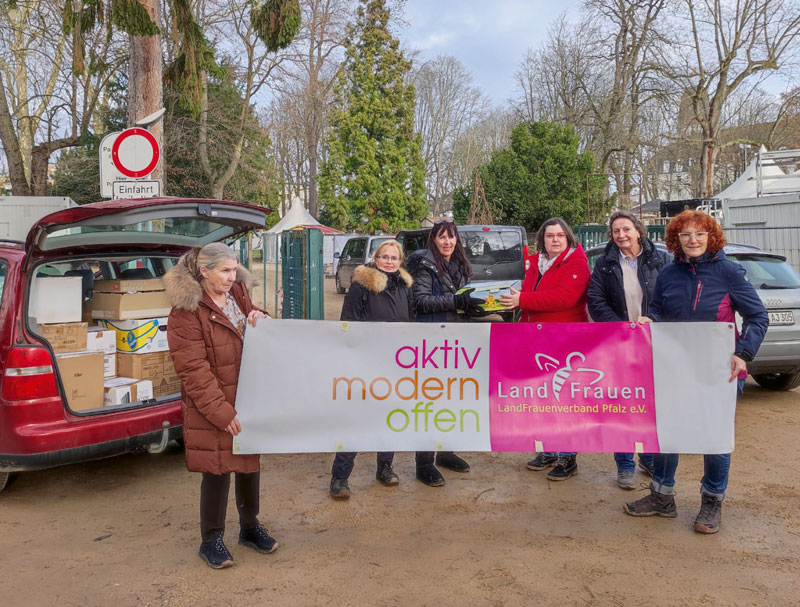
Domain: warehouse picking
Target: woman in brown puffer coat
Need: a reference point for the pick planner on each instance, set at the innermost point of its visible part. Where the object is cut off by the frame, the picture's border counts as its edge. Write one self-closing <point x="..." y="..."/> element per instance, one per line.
<point x="210" y="311"/>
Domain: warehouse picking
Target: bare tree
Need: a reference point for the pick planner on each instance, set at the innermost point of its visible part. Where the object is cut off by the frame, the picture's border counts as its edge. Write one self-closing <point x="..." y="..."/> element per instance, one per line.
<point x="446" y="106"/>
<point x="45" y="106"/>
<point x="720" y="47"/>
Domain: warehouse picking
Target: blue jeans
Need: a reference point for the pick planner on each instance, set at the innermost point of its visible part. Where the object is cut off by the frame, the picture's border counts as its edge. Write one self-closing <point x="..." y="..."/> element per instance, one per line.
<point x="625" y="461"/>
<point x="556" y="454"/>
<point x="714" y="481"/>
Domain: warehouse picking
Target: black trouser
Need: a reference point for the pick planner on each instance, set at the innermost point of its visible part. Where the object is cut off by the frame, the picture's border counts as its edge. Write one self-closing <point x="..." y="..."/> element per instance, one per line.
<point x="427" y="457"/>
<point x="343" y="462"/>
<point x="214" y="502"/>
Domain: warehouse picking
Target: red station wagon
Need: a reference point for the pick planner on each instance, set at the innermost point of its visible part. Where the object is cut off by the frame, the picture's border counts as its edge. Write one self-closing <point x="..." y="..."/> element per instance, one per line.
<point x="114" y="240"/>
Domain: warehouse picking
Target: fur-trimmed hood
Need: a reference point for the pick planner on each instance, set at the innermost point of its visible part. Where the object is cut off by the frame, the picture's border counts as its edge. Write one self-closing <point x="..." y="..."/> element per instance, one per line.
<point x="375" y="281"/>
<point x="184" y="291"/>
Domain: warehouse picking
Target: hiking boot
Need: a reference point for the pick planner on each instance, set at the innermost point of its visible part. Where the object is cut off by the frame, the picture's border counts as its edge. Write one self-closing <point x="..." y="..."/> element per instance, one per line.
<point x="215" y="554"/>
<point x="386" y="475"/>
<point x="452" y="462"/>
<point x="625" y="479"/>
<point x="339" y="488"/>
<point x="543" y="461"/>
<point x="258" y="539"/>
<point x="647" y="468"/>
<point x="655" y="504"/>
<point x="429" y="475"/>
<point x="710" y="515"/>
<point x="567" y="466"/>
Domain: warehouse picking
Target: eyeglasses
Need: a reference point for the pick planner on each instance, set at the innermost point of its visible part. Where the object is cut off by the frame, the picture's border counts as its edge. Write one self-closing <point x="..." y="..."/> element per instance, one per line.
<point x="388" y="258"/>
<point x="687" y="236"/>
<point x="444" y="220"/>
<point x="554" y="236"/>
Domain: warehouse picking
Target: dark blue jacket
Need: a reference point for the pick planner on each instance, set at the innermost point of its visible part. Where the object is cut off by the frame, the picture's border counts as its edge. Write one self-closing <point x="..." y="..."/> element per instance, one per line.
<point x="606" y="295"/>
<point x="711" y="288"/>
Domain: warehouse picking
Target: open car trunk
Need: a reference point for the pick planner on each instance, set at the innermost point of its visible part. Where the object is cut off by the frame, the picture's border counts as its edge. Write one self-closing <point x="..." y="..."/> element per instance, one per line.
<point x="97" y="299"/>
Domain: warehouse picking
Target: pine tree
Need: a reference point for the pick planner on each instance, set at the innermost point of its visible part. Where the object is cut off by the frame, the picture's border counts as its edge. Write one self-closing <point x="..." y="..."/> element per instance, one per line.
<point x="374" y="178"/>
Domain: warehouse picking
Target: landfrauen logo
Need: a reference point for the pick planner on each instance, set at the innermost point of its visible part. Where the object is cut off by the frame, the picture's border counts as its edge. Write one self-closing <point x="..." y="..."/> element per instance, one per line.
<point x="545" y="363"/>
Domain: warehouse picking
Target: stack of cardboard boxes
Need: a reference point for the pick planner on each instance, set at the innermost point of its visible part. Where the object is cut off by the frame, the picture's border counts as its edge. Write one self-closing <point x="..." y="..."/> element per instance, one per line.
<point x="136" y="311"/>
<point x="125" y="357"/>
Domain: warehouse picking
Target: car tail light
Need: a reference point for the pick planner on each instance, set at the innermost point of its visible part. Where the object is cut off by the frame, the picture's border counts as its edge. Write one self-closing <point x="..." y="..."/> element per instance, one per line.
<point x="29" y="374"/>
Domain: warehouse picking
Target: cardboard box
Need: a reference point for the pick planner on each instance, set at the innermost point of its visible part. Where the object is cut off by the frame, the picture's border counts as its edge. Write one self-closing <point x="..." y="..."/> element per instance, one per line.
<point x="140" y="285"/>
<point x="65" y="337"/>
<point x="82" y="377"/>
<point x="109" y="365"/>
<point x="141" y="336"/>
<point x="157" y="367"/>
<point x="126" y="390"/>
<point x="56" y="299"/>
<point x="101" y="339"/>
<point x="125" y="306"/>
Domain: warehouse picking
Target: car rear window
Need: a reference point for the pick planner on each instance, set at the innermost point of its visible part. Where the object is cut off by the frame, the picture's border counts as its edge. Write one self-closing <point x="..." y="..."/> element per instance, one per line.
<point x="493" y="246"/>
<point x="768" y="272"/>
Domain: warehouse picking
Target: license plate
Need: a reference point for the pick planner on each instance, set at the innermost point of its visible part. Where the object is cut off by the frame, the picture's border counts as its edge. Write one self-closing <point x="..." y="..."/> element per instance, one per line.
<point x="781" y="318"/>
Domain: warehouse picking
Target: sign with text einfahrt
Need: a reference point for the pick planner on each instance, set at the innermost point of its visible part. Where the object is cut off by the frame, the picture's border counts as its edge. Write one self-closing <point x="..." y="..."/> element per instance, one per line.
<point x="126" y="158"/>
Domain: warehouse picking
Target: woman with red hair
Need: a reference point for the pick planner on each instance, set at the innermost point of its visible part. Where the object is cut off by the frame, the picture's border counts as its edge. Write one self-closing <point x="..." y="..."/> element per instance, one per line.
<point x="701" y="285"/>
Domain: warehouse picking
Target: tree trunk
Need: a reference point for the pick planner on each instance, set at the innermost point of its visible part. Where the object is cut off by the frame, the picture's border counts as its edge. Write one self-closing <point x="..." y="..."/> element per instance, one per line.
<point x="8" y="137"/>
<point x="145" y="92"/>
<point x="708" y="162"/>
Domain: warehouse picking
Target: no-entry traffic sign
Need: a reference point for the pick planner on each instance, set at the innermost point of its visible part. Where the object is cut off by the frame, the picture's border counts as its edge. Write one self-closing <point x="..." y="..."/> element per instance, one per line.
<point x="135" y="153"/>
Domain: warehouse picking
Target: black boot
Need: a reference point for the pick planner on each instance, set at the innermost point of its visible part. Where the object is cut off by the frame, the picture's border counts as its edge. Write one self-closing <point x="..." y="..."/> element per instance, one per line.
<point x="386" y="475"/>
<point x="452" y="462"/>
<point x="215" y="554"/>
<point x="258" y="539"/>
<point x="429" y="475"/>
<point x="567" y="466"/>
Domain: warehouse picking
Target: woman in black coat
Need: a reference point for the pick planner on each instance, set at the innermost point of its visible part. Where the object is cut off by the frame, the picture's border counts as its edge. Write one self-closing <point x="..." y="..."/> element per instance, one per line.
<point x="380" y="292"/>
<point x="439" y="273"/>
<point x="621" y="289"/>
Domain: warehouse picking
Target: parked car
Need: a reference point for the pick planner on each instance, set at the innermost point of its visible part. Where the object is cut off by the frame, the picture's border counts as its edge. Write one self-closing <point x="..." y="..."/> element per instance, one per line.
<point x="357" y="251"/>
<point x="41" y="424"/>
<point x="496" y="253"/>
<point x="777" y="364"/>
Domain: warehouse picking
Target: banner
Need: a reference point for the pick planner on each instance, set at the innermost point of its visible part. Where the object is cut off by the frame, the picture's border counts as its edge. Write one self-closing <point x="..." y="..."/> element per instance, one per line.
<point x="323" y="386"/>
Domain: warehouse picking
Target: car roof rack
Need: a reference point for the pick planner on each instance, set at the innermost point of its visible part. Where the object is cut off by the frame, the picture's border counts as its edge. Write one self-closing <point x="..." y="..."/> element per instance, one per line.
<point x="11" y="241"/>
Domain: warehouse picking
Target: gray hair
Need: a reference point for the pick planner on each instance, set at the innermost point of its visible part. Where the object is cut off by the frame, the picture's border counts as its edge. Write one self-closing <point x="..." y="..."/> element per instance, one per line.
<point x="637" y="223"/>
<point x="208" y="256"/>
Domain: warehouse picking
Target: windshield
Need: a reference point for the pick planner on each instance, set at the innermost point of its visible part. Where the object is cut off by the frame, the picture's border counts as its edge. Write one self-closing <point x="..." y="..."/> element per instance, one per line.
<point x="376" y="242"/>
<point x="488" y="248"/>
<point x="768" y="272"/>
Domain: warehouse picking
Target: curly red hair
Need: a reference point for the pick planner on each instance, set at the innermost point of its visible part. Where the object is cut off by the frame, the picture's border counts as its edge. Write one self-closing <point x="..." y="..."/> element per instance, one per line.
<point x="704" y="223"/>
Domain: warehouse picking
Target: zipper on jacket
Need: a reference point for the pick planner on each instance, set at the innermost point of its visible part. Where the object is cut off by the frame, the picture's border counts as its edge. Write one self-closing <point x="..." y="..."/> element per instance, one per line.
<point x="697" y="295"/>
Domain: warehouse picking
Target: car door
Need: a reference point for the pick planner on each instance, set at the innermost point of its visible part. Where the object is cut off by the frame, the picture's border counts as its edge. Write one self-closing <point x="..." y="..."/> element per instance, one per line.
<point x="166" y="224"/>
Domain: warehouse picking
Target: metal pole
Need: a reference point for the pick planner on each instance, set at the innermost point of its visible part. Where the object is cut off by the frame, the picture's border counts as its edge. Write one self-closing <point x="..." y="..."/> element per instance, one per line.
<point x="264" y="265"/>
<point x="277" y="254"/>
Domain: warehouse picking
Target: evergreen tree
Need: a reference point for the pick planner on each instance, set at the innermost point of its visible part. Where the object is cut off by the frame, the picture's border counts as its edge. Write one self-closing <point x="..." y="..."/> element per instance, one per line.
<point x="542" y="174"/>
<point x="374" y="178"/>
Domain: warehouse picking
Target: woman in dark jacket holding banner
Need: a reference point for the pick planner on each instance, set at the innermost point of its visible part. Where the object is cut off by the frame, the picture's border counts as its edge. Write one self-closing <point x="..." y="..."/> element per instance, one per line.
<point x="380" y="292"/>
<point x="439" y="273"/>
<point x="620" y="290"/>
<point x="554" y="290"/>
<point x="701" y="285"/>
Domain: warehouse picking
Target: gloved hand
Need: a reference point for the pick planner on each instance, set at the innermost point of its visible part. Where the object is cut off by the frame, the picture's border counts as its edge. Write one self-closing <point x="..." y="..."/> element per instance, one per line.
<point x="469" y="305"/>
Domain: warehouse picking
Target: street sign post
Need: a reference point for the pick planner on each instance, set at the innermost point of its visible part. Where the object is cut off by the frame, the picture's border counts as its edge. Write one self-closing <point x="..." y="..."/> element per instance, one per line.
<point x="126" y="158"/>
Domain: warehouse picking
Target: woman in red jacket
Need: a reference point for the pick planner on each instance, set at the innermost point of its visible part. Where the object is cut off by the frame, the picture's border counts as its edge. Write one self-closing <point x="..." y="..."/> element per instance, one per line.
<point x="554" y="290"/>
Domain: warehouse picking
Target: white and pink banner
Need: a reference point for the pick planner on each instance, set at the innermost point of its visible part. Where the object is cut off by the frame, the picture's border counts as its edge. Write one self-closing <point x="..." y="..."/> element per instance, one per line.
<point x="323" y="386"/>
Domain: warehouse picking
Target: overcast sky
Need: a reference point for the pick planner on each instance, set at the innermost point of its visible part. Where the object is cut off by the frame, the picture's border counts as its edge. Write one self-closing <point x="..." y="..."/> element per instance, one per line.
<point x="489" y="37"/>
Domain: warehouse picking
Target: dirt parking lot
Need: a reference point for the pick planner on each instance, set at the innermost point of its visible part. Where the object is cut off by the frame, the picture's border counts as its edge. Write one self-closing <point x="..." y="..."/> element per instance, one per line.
<point x="125" y="531"/>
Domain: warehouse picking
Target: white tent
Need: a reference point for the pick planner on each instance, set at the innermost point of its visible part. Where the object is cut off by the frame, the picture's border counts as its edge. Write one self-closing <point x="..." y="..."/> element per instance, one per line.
<point x="297" y="215"/>
<point x="746" y="187"/>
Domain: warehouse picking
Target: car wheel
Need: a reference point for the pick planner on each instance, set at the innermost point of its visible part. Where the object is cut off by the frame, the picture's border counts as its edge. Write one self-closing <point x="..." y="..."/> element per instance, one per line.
<point x="6" y="478"/>
<point x="339" y="288"/>
<point x="778" y="381"/>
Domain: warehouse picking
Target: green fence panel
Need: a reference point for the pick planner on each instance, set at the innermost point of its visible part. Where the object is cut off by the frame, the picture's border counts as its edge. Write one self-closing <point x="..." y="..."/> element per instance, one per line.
<point x="302" y="274"/>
